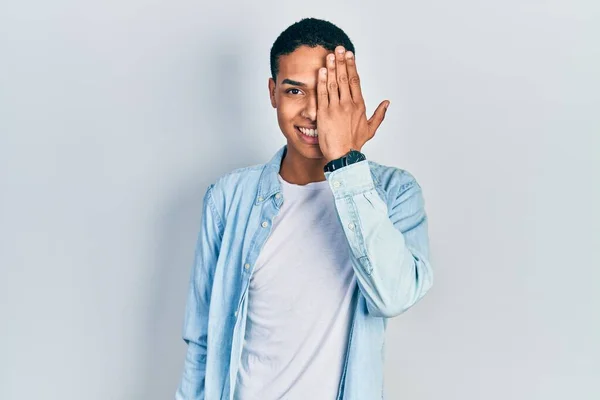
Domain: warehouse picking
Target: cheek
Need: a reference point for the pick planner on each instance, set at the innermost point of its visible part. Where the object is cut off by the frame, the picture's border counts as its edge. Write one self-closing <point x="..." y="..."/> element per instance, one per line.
<point x="288" y="110"/>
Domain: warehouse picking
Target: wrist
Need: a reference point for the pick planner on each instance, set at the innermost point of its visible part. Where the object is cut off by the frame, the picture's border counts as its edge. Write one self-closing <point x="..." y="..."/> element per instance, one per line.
<point x="350" y="157"/>
<point x="341" y="152"/>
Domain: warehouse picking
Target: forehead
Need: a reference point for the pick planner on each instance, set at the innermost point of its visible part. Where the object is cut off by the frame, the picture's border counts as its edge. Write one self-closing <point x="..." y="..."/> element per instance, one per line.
<point x="303" y="62"/>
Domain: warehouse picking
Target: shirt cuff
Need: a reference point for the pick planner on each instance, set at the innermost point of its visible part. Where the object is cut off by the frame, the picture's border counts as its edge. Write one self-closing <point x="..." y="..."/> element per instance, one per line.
<point x="351" y="180"/>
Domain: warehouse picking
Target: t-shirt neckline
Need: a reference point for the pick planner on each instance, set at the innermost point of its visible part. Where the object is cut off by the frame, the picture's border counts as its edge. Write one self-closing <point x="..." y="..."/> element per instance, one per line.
<point x="319" y="185"/>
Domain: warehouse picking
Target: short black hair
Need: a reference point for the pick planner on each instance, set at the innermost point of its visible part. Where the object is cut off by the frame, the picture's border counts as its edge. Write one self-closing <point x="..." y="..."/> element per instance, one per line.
<point x="310" y="32"/>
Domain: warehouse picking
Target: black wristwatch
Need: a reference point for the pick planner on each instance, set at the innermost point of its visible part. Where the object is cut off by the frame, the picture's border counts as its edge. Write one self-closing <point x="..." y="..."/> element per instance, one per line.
<point x="353" y="156"/>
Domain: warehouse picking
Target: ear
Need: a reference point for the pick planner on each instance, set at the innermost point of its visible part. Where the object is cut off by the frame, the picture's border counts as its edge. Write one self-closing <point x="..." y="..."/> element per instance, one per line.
<point x="272" y="92"/>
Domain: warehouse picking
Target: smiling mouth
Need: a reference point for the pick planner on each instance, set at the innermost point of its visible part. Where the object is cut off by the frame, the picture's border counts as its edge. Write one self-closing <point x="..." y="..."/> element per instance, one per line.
<point x="308" y="132"/>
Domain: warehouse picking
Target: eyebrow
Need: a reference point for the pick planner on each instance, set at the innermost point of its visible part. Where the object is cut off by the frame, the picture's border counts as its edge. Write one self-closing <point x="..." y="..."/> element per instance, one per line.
<point x="291" y="82"/>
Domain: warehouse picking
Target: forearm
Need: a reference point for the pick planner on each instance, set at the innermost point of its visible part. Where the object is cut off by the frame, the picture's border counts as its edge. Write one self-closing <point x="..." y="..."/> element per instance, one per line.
<point x="194" y="370"/>
<point x="389" y="248"/>
<point x="195" y="335"/>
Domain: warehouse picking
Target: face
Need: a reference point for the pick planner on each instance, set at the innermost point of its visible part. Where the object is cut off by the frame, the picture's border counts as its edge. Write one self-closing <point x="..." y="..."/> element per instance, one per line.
<point x="294" y="95"/>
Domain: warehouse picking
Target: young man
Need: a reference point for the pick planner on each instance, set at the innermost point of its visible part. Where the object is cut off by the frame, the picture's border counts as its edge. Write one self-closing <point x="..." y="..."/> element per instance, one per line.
<point x="300" y="261"/>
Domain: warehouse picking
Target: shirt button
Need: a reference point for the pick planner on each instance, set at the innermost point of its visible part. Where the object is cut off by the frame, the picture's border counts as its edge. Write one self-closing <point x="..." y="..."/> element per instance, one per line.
<point x="247" y="266"/>
<point x="235" y="313"/>
<point x="351" y="226"/>
<point x="336" y="184"/>
<point x="277" y="196"/>
<point x="264" y="224"/>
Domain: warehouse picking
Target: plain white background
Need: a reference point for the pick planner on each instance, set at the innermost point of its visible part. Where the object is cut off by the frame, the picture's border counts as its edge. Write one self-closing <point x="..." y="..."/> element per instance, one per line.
<point x="116" y="115"/>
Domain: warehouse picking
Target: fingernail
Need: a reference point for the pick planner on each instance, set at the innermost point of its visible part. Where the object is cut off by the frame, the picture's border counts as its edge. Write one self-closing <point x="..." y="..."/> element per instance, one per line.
<point x="387" y="105"/>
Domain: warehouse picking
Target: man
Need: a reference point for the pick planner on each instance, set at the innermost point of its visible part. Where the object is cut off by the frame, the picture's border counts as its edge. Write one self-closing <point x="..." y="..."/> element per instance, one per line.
<point x="300" y="261"/>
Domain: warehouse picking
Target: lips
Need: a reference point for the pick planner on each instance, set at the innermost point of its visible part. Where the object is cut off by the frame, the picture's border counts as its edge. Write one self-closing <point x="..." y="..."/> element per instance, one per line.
<point x="310" y="140"/>
<point x="311" y="132"/>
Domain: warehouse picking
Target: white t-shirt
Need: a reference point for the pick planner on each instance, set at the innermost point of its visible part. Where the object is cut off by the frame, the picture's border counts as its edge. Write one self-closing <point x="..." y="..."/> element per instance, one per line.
<point x="299" y="303"/>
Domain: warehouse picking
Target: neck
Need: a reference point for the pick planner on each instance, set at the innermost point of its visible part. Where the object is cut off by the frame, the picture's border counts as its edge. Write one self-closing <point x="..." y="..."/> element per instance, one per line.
<point x="299" y="170"/>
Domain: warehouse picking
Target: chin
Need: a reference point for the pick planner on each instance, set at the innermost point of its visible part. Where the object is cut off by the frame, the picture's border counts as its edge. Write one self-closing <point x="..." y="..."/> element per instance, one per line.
<point x="312" y="154"/>
<point x="305" y="150"/>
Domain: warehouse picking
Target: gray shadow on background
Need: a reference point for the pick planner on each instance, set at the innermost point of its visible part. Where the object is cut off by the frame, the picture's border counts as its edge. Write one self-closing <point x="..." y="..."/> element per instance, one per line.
<point x="179" y="223"/>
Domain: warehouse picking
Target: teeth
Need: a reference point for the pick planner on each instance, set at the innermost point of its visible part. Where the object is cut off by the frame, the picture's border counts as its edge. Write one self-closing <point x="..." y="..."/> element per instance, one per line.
<point x="309" y="132"/>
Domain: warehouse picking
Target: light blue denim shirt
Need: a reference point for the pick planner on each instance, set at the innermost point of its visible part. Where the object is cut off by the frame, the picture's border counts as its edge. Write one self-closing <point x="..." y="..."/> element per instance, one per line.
<point x="382" y="213"/>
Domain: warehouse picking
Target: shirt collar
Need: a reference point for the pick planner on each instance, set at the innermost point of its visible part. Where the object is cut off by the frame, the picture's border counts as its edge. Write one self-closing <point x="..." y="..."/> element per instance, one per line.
<point x="268" y="184"/>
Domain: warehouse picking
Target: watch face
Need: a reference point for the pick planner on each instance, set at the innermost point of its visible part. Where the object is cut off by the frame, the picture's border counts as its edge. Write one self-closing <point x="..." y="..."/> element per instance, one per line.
<point x="351" y="157"/>
<point x="355" y="155"/>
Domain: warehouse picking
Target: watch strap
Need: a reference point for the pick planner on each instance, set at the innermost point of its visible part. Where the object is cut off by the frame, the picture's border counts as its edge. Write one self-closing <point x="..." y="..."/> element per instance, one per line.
<point x="353" y="156"/>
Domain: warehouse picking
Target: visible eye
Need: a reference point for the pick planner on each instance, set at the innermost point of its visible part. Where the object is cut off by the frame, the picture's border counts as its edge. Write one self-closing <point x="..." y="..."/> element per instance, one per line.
<point x="292" y="89"/>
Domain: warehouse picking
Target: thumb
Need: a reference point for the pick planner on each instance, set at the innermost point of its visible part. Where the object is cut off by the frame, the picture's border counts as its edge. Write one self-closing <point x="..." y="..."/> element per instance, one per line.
<point x="378" y="116"/>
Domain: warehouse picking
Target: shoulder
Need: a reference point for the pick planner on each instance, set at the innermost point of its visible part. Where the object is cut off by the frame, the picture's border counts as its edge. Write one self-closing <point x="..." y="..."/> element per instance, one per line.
<point x="235" y="187"/>
<point x="239" y="177"/>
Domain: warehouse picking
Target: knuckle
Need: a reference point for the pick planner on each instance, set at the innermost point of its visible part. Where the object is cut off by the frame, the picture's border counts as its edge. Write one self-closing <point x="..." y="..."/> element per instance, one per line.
<point x="355" y="80"/>
<point x="332" y="86"/>
<point x="343" y="78"/>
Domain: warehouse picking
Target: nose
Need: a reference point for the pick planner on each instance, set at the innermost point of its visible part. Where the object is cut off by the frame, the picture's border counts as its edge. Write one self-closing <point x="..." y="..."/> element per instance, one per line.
<point x="310" y="110"/>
